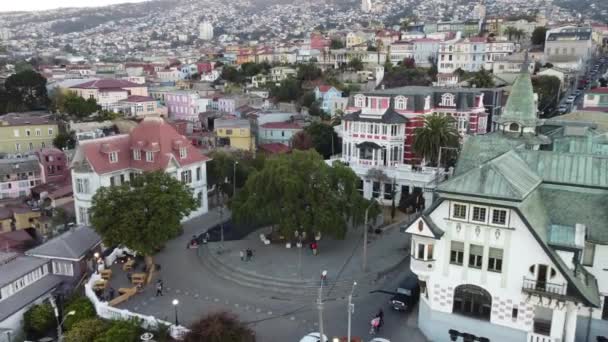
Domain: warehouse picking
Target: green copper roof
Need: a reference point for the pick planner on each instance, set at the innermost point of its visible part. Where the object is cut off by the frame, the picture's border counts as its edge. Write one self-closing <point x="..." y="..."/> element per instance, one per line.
<point x="505" y="177"/>
<point x="520" y="106"/>
<point x="560" y="235"/>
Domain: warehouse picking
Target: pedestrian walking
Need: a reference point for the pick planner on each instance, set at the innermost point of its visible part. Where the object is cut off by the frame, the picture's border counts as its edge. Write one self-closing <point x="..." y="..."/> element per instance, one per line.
<point x="159" y="288"/>
<point x="380" y="315"/>
<point x="249" y="254"/>
<point x="242" y="255"/>
<point x="314" y="248"/>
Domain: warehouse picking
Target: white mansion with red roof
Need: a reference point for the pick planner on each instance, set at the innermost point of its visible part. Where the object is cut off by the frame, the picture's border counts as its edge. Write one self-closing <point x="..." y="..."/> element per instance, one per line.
<point x="378" y="134"/>
<point x="152" y="145"/>
<point x="108" y="92"/>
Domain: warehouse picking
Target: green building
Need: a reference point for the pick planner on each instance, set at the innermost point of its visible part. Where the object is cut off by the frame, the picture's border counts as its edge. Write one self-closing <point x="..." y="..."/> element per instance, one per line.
<point x="26" y="132"/>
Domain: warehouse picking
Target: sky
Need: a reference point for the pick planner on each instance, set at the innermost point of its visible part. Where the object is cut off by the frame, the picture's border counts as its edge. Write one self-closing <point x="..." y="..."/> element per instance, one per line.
<point x="36" y="5"/>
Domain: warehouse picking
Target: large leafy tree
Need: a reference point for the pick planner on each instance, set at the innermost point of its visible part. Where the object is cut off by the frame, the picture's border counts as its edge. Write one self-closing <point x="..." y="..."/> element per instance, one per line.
<point x="548" y="89"/>
<point x="324" y="139"/>
<point x="438" y="131"/>
<point x="539" y="35"/>
<point x="142" y="214"/>
<point x="299" y="191"/>
<point x="302" y="141"/>
<point x="220" y="327"/>
<point x="481" y="79"/>
<point x="26" y="90"/>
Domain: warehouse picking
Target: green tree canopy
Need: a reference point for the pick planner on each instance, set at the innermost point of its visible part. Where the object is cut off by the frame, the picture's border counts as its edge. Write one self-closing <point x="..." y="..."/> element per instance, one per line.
<point x="308" y="72"/>
<point x="336" y="44"/>
<point x="481" y="79"/>
<point x="302" y="141"/>
<point x="39" y="320"/>
<point x="142" y="214"/>
<point x="404" y="76"/>
<point x="299" y="191"/>
<point x="538" y="35"/>
<point x="231" y="74"/>
<point x="221" y="169"/>
<point x="26" y="90"/>
<point x="438" y="131"/>
<point x="324" y="139"/>
<point x="547" y="88"/>
<point x="86" y="331"/>
<point x="288" y="90"/>
<point x="72" y="104"/>
<point x="219" y="327"/>
<point x="65" y="140"/>
<point x="83" y="309"/>
<point x="120" y="331"/>
<point x="355" y="64"/>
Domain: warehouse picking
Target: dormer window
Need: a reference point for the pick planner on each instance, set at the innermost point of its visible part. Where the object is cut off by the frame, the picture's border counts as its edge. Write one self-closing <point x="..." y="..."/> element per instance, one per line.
<point x="149" y="156"/>
<point x="400" y="102"/>
<point x="113" y="157"/>
<point x="182" y="152"/>
<point x="136" y="154"/>
<point x="359" y="101"/>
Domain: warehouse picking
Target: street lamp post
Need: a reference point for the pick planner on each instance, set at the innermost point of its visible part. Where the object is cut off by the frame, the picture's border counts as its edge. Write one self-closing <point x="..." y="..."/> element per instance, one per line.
<point x="96" y="255"/>
<point x="236" y="162"/>
<point x="299" y="245"/>
<point x="60" y="324"/>
<point x="351" y="309"/>
<point x="175" y="302"/>
<point x="320" y="306"/>
<point x="373" y="200"/>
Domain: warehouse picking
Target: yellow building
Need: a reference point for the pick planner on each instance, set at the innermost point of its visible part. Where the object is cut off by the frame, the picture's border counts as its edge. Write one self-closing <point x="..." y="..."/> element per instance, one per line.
<point x="235" y="134"/>
<point x="26" y="132"/>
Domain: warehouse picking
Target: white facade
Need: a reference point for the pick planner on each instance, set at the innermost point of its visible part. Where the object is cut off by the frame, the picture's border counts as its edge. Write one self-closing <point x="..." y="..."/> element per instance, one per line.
<point x="205" y="30"/>
<point x="366" y="6"/>
<point x="470" y="54"/>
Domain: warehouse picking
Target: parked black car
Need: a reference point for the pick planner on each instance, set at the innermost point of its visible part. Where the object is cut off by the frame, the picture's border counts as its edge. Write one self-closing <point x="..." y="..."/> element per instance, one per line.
<point x="407" y="294"/>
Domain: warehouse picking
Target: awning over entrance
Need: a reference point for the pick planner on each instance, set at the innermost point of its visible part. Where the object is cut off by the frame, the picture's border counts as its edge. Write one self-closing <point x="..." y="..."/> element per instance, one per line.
<point x="369" y="144"/>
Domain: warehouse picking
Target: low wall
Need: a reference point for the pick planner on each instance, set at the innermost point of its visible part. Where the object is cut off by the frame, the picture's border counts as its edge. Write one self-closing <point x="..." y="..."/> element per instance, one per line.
<point x="104" y="310"/>
<point x="435" y="325"/>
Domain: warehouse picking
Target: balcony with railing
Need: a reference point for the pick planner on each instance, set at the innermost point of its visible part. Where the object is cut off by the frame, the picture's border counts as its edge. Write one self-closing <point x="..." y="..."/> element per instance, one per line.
<point x="544" y="288"/>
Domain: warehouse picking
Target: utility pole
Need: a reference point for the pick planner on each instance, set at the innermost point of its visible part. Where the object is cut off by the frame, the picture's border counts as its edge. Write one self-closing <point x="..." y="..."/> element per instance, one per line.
<point x="351" y="309"/>
<point x="234" y="178"/>
<point x="320" y="306"/>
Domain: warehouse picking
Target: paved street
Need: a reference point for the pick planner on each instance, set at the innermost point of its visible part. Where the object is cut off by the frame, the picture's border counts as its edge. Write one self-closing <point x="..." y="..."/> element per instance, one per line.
<point x="273" y="318"/>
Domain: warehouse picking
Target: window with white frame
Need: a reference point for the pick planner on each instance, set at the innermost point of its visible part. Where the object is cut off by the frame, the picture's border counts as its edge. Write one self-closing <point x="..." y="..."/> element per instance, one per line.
<point x="17" y="147"/>
<point x="83" y="215"/>
<point x="479" y="214"/>
<point x="475" y="256"/>
<point x="359" y="101"/>
<point x="82" y="185"/>
<point x="459" y="211"/>
<point x="182" y="152"/>
<point x="149" y="156"/>
<point x="113" y="157"/>
<point x="400" y="102"/>
<point x="16" y="133"/>
<point x="28" y="132"/>
<point x="50" y="131"/>
<point x="456" y="252"/>
<point x="495" y="260"/>
<point x="136" y="154"/>
<point x="63" y="268"/>
<point x="38" y="132"/>
<point x="499" y="217"/>
<point x="187" y="176"/>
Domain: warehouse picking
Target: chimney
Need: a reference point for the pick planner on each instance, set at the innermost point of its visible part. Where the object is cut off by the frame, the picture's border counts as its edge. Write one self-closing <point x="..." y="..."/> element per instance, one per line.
<point x="580" y="231"/>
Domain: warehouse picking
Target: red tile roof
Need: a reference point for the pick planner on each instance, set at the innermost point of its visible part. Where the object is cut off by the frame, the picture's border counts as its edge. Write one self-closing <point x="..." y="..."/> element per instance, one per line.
<point x="152" y="134"/>
<point x="275" y="148"/>
<point x="598" y="91"/>
<point x="107" y="84"/>
<point x="137" y="98"/>
<point x="324" y="88"/>
<point x="281" y="125"/>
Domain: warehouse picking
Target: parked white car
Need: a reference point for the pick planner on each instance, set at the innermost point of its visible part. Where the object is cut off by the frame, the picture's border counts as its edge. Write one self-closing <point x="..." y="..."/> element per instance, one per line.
<point x="314" y="337"/>
<point x="379" y="339"/>
<point x="570" y="99"/>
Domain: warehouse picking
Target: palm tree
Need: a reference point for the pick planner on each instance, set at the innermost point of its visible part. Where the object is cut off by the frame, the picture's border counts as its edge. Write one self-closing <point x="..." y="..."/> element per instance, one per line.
<point x="482" y="79"/>
<point x="510" y="31"/>
<point x="438" y="131"/>
<point x="220" y="327"/>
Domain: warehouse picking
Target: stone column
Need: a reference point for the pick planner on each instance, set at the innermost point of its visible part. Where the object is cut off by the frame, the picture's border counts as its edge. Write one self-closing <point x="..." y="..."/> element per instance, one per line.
<point x="571" y="317"/>
<point x="557" y="323"/>
<point x="367" y="189"/>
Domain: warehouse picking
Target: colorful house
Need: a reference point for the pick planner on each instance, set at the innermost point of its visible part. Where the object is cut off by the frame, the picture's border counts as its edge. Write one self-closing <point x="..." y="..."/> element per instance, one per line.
<point x="23" y="133"/>
<point x="278" y="132"/>
<point x="234" y="133"/>
<point x="325" y="95"/>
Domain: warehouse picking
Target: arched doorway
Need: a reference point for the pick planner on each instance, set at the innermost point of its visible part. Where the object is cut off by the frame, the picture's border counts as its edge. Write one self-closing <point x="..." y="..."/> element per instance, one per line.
<point x="472" y="301"/>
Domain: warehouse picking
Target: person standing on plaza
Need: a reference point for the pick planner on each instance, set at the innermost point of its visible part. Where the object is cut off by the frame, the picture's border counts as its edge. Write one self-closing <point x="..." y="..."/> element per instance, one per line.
<point x="159" y="288"/>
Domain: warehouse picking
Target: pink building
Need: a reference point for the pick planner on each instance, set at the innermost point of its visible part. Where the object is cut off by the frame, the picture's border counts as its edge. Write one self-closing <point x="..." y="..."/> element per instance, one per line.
<point x="18" y="176"/>
<point x="183" y="105"/>
<point x="53" y="164"/>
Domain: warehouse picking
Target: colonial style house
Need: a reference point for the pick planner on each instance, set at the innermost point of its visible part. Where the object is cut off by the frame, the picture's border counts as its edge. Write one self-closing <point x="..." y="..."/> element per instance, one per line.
<point x="515" y="247"/>
<point x="152" y="145"/>
<point x="378" y="133"/>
